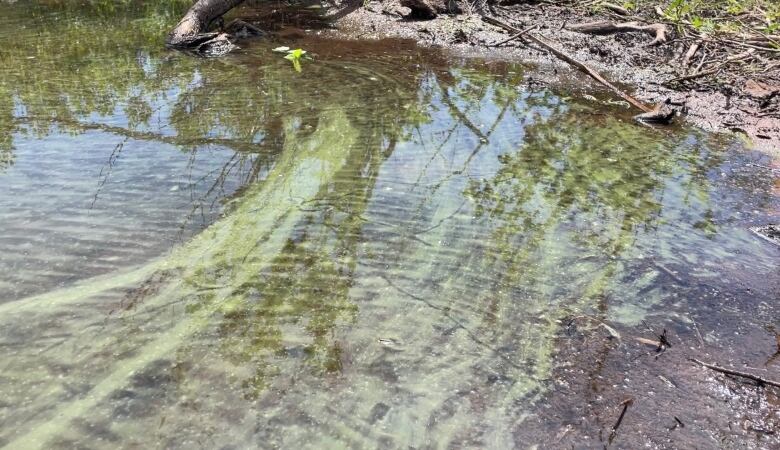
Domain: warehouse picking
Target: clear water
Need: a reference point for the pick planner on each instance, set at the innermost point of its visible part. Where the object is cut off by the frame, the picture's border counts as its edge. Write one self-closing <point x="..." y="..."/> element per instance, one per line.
<point x="378" y="251"/>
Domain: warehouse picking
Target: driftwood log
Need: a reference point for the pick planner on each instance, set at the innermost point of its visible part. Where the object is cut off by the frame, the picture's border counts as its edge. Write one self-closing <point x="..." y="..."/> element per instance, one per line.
<point x="195" y="24"/>
<point x="192" y="30"/>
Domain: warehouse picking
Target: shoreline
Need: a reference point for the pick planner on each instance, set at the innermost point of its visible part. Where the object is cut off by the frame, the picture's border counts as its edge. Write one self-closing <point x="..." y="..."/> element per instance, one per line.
<point x="624" y="59"/>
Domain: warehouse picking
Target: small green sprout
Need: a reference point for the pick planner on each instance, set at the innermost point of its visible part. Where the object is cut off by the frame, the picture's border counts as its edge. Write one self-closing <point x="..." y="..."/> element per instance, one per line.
<point x="293" y="56"/>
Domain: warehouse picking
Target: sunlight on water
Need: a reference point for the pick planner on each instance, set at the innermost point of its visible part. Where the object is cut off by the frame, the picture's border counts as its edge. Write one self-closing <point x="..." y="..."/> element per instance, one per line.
<point x="392" y="239"/>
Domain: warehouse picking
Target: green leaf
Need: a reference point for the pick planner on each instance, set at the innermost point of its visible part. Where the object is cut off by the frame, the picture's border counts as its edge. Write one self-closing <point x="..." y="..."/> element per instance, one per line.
<point x="297" y="53"/>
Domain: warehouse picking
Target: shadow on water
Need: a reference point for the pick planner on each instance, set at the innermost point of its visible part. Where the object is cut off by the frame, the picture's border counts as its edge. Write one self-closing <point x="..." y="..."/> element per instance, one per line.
<point x="391" y="239"/>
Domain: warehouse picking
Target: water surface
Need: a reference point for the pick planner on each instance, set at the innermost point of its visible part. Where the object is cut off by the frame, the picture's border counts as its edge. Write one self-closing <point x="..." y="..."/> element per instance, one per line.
<point x="378" y="251"/>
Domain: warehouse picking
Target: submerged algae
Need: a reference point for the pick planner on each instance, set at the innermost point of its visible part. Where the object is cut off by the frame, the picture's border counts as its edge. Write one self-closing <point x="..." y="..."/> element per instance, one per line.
<point x="397" y="271"/>
<point x="212" y="272"/>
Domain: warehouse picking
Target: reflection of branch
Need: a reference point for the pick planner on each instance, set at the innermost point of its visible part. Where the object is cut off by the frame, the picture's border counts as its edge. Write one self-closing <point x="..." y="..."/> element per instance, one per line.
<point x="445" y="96"/>
<point x="446" y="311"/>
<point x="490" y="131"/>
<point x="433" y="227"/>
<point x="256" y="165"/>
<point x="112" y="159"/>
<point x="479" y="147"/>
<point x="147" y="135"/>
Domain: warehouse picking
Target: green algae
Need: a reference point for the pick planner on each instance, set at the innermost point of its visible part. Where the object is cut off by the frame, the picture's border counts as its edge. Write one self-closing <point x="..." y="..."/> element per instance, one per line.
<point x="227" y="254"/>
<point x="399" y="273"/>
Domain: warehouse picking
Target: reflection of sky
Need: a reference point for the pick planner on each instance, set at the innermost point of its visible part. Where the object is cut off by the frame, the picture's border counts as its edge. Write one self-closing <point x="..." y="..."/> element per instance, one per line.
<point x="67" y="212"/>
<point x="161" y="103"/>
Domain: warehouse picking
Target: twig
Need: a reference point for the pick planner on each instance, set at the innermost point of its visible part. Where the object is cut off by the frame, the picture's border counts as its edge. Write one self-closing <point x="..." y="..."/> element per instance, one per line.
<point x="616" y="9"/>
<point x="677" y="423"/>
<point x="749" y="376"/>
<point x="690" y="54"/>
<point x="754" y="47"/>
<point x="626" y="403"/>
<point x="694" y="76"/>
<point x="715" y="69"/>
<point x="648" y="342"/>
<point x="515" y="36"/>
<point x="667" y="271"/>
<point x="701" y="63"/>
<point x="698" y="334"/>
<point x="592" y="73"/>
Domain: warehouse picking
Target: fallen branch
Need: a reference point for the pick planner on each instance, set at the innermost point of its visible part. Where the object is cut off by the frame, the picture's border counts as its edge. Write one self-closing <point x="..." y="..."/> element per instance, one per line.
<point x="749" y="376"/>
<point x="191" y="33"/>
<point x="590" y="72"/>
<point x="192" y="28"/>
<point x="514" y="36"/>
<point x="658" y="30"/>
<point x="649" y="342"/>
<point x="694" y="76"/>
<point x="698" y="333"/>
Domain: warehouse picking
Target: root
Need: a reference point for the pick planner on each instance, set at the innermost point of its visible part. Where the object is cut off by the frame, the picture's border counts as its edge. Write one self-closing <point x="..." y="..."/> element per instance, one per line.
<point x="604" y="27"/>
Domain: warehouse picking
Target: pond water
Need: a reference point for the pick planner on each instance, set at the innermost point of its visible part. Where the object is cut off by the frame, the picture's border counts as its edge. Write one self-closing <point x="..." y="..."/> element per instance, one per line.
<point x="376" y="251"/>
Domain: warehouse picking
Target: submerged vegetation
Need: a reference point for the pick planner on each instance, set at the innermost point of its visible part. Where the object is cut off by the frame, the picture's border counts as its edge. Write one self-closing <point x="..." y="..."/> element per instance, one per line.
<point x="414" y="239"/>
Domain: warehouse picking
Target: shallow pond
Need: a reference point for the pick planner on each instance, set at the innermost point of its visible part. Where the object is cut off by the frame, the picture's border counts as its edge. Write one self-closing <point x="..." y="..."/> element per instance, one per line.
<point x="376" y="251"/>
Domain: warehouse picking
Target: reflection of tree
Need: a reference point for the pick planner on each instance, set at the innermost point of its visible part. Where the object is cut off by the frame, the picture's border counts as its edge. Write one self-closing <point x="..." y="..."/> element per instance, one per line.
<point x="64" y="65"/>
<point x="583" y="199"/>
<point x="557" y="176"/>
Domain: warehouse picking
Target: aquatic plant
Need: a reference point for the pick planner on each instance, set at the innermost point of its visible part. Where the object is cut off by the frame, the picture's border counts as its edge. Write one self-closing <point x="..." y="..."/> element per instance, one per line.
<point x="294" y="56"/>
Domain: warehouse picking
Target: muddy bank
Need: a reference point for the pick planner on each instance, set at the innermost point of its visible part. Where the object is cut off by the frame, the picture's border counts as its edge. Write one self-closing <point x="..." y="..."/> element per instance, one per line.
<point x="744" y="105"/>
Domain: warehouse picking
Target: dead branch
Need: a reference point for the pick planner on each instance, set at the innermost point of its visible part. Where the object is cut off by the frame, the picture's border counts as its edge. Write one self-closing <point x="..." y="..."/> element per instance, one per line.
<point x="662" y="113"/>
<point x="694" y="76"/>
<point x="584" y="68"/>
<point x="749" y="376"/>
<point x="514" y="36"/>
<point x="698" y="333"/>
<point x="197" y="20"/>
<point x="714" y="70"/>
<point x="658" y="30"/>
<point x="650" y="342"/>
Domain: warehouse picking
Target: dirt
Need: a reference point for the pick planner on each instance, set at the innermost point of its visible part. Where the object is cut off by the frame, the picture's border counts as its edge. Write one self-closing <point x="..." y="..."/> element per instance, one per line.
<point x="733" y="104"/>
<point x="674" y="402"/>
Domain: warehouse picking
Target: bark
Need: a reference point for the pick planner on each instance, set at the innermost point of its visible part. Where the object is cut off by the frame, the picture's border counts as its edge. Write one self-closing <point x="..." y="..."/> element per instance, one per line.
<point x="192" y="29"/>
<point x="603" y="27"/>
<point x="429" y="9"/>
